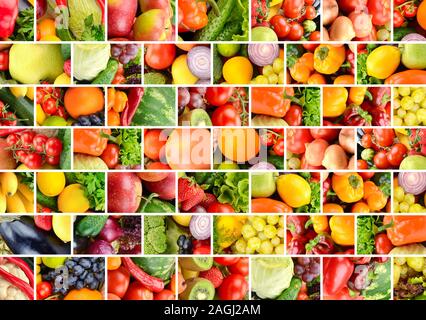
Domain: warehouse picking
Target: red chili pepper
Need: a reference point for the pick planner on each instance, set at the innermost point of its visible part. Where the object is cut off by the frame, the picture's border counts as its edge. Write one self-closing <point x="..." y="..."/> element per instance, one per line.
<point x="8" y="14"/>
<point x="6" y="132"/>
<point x="24" y="267"/>
<point x="151" y="283"/>
<point x="101" y="4"/>
<point x="19" y="283"/>
<point x="337" y="272"/>
<point x="134" y="97"/>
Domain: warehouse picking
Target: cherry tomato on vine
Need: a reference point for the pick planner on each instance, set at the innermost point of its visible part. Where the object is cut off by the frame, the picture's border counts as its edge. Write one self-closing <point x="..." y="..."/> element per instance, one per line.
<point x="27" y="138"/>
<point x="226" y="115"/>
<point x="9" y="119"/>
<point x="33" y="161"/>
<point x="310" y="12"/>
<point x="54" y="161"/>
<point x="398" y="19"/>
<point x="280" y="25"/>
<point x="366" y="141"/>
<point x="309" y="2"/>
<point x="39" y="142"/>
<point x="110" y="155"/>
<point x="267" y="139"/>
<point x="44" y="290"/>
<point x="410" y="10"/>
<point x="296" y="31"/>
<point x="49" y="106"/>
<point x="226" y="261"/>
<point x="384" y="137"/>
<point x="218" y="96"/>
<point x="12" y="139"/>
<point x="293" y="8"/>
<point x="315" y="36"/>
<point x="361" y="164"/>
<point x="279" y="147"/>
<point x="53" y="147"/>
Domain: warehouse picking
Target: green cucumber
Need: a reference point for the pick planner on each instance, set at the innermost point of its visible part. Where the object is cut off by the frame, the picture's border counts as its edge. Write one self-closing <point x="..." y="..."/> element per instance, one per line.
<point x="90" y="226"/>
<point x="64" y="34"/>
<point x="277" y="161"/>
<point x="231" y="28"/>
<point x="22" y="107"/>
<point x="48" y="202"/>
<point x="65" y="136"/>
<point x="292" y="291"/>
<point x="217" y="65"/>
<point x="107" y="75"/>
<point x="216" y="23"/>
<point x="156" y="206"/>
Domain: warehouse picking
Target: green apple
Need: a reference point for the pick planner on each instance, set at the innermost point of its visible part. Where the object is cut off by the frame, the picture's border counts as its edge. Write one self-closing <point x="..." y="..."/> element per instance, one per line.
<point x="413" y="55"/>
<point x="32" y="63"/>
<point x="263" y="184"/>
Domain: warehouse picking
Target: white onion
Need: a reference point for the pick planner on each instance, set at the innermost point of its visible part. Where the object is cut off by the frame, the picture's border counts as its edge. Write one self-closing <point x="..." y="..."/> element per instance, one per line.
<point x="263" y="54"/>
<point x="199" y="227"/>
<point x="412" y="182"/>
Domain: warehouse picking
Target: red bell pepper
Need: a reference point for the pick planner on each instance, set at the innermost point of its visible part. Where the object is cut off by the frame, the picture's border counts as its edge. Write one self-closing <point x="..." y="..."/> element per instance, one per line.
<point x="344" y="294"/>
<point x="8" y="14"/>
<point x="296" y="224"/>
<point x="321" y="244"/>
<point x="336" y="273"/>
<point x="381" y="96"/>
<point x="356" y="116"/>
<point x="296" y="245"/>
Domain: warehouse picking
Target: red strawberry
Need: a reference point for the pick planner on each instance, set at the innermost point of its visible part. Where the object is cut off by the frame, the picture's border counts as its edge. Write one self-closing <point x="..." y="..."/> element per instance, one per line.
<point x="43" y="222"/>
<point x="67" y="67"/>
<point x="214" y="275"/>
<point x="187" y="188"/>
<point x="197" y="197"/>
<point x="208" y="199"/>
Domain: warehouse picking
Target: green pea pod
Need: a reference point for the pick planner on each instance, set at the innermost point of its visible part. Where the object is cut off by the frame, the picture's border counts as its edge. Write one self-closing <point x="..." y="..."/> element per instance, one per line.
<point x="91" y="226"/>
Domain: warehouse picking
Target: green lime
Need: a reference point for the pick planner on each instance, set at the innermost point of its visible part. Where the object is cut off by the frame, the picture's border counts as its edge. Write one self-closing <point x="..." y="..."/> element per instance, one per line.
<point x="228" y="49"/>
<point x="228" y="165"/>
<point x="53" y="263"/>
<point x="263" y="34"/>
<point x="54" y="121"/>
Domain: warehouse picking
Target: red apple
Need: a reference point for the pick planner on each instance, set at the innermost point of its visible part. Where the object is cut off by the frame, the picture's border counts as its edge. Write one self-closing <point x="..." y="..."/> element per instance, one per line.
<point x="121" y="14"/>
<point x="124" y="192"/>
<point x="151" y="25"/>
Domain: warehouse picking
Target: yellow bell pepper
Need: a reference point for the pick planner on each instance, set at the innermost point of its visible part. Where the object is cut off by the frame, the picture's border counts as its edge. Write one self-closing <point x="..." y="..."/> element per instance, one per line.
<point x="320" y="223"/>
<point x="357" y="95"/>
<point x="342" y="230"/>
<point x="274" y="8"/>
<point x="334" y="101"/>
<point x="328" y="58"/>
<point x="349" y="187"/>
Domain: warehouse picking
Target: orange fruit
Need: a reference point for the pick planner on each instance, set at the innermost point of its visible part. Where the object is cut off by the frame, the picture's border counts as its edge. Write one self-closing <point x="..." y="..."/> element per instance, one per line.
<point x="83" y="101"/>
<point x="332" y="208"/>
<point x="84" y="294"/>
<point x="46" y="28"/>
<point x="421" y="14"/>
<point x="239" y="145"/>
<point x="113" y="263"/>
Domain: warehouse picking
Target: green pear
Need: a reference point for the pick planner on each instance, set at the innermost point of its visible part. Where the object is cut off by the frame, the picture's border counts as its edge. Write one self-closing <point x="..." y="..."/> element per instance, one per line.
<point x="263" y="184"/>
<point x="413" y="55"/>
<point x="32" y="63"/>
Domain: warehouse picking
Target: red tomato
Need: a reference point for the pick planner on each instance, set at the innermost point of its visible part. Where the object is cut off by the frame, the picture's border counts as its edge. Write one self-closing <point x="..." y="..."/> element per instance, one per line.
<point x="39" y="142"/>
<point x="166" y="294"/>
<point x="218" y="96"/>
<point x="297" y="140"/>
<point x="384" y="137"/>
<point x="380" y="10"/>
<point x="280" y="25"/>
<point x="233" y="287"/>
<point x="202" y="250"/>
<point x="33" y="161"/>
<point x="53" y="147"/>
<point x="310" y="12"/>
<point x="49" y="106"/>
<point x="293" y="8"/>
<point x="361" y="164"/>
<point x="366" y="141"/>
<point x="118" y="281"/>
<point x="226" y="261"/>
<point x="137" y="291"/>
<point x="328" y="134"/>
<point x="218" y="207"/>
<point x="44" y="290"/>
<point x="396" y="154"/>
<point x="366" y="175"/>
<point x="226" y="115"/>
<point x="240" y="267"/>
<point x="294" y="115"/>
<point x="398" y="19"/>
<point x="279" y="147"/>
<point x="4" y="60"/>
<point x="315" y="36"/>
<point x="309" y="2"/>
<point x="154" y="142"/>
<point x="410" y="10"/>
<point x="383" y="244"/>
<point x="380" y="160"/>
<point x="110" y="155"/>
<point x="267" y="138"/>
<point x="296" y="31"/>
<point x="160" y="56"/>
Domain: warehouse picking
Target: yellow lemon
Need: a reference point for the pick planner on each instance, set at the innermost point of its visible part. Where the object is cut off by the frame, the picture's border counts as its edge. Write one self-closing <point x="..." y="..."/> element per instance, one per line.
<point x="40" y="115"/>
<point x="62" y="227"/>
<point x="51" y="183"/>
<point x="63" y="79"/>
<point x="183" y="220"/>
<point x="73" y="200"/>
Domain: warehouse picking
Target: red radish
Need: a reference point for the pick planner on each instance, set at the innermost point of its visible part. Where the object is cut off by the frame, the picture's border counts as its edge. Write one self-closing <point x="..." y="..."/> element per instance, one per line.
<point x="362" y="23"/>
<point x="111" y="231"/>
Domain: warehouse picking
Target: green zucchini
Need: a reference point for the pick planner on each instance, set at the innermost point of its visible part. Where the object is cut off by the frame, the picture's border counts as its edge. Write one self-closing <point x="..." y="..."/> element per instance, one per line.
<point x="22" y="107"/>
<point x="292" y="291"/>
<point x="216" y="23"/>
<point x="65" y="136"/>
<point x="156" y="206"/>
<point x="107" y="75"/>
<point x="277" y="161"/>
<point x="231" y="28"/>
<point x="48" y="202"/>
<point x="91" y="226"/>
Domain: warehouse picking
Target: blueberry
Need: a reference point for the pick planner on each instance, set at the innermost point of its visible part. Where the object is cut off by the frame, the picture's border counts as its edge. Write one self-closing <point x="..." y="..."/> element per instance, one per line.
<point x="84" y="275"/>
<point x="181" y="240"/>
<point x="94" y="285"/>
<point x="78" y="270"/>
<point x="84" y="121"/>
<point x="79" y="284"/>
<point x="85" y="263"/>
<point x="95" y="120"/>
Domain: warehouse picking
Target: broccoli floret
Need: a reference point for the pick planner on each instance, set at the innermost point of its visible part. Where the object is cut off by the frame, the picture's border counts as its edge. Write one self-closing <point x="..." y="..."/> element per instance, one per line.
<point x="155" y="235"/>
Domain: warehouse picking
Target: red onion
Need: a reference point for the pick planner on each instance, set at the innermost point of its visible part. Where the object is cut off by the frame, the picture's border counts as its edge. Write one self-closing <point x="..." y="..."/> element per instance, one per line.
<point x="198" y="61"/>
<point x="100" y="247"/>
<point x="413" y="37"/>
<point x="263" y="54"/>
<point x="200" y="227"/>
<point x="111" y="231"/>
<point x="263" y="166"/>
<point x="412" y="182"/>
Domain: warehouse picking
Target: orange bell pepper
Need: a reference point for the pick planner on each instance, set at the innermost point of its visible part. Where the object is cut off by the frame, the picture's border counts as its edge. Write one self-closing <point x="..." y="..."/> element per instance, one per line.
<point x="406" y="229"/>
<point x="357" y="95"/>
<point x="320" y="223"/>
<point x="90" y="141"/>
<point x="266" y="205"/>
<point x="342" y="230"/>
<point x="270" y="101"/>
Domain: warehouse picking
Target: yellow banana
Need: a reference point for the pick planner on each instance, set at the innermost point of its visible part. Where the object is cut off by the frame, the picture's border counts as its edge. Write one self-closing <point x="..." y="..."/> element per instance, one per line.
<point x="9" y="183"/>
<point x="2" y="202"/>
<point x="26" y="192"/>
<point x="15" y="204"/>
<point x="29" y="205"/>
